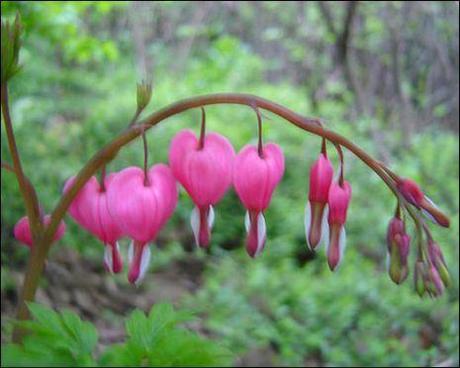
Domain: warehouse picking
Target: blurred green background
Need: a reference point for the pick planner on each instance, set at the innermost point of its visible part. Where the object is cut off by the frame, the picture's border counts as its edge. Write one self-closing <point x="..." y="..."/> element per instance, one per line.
<point x="383" y="74"/>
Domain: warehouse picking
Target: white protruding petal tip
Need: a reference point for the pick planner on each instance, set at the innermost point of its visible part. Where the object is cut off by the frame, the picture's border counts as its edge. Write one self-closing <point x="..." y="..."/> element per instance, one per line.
<point x="307" y="223"/>
<point x="388" y="261"/>
<point x="247" y="222"/>
<point x="324" y="228"/>
<point x="211" y="217"/>
<point x="342" y="246"/>
<point x="108" y="261"/>
<point x="145" y="261"/>
<point x="429" y="216"/>
<point x="261" y="233"/>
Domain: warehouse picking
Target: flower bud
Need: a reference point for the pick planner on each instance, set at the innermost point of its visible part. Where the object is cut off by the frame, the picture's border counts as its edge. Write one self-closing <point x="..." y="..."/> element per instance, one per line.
<point x="23" y="233"/>
<point x="144" y="94"/>
<point x="420" y="278"/>
<point x="398" y="250"/>
<point x="414" y="195"/>
<point x="437" y="259"/>
<point x="11" y="44"/>
<point x="435" y="285"/>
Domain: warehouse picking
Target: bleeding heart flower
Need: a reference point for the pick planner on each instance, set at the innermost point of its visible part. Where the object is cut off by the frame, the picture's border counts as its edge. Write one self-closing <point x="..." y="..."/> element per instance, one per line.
<point x="255" y="177"/>
<point x="316" y="209"/>
<point x="205" y="171"/>
<point x="141" y="208"/>
<point x="398" y="244"/>
<point x="412" y="192"/>
<point x="90" y="210"/>
<point x="24" y="235"/>
<point x="338" y="201"/>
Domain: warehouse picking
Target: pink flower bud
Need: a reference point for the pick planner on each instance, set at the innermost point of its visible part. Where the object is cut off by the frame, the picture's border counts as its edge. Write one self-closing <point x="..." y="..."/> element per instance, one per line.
<point x="90" y="210"/>
<point x="205" y="173"/>
<point x="255" y="179"/>
<point x="396" y="226"/>
<point x="316" y="211"/>
<point x="339" y="199"/>
<point x="24" y="235"/>
<point x="435" y="284"/>
<point x="414" y="195"/>
<point x="141" y="210"/>
<point x="398" y="243"/>
<point x="437" y="259"/>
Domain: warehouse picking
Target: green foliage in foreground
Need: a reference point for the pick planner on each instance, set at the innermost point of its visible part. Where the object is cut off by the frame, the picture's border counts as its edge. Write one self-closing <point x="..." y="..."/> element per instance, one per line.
<point x="63" y="339"/>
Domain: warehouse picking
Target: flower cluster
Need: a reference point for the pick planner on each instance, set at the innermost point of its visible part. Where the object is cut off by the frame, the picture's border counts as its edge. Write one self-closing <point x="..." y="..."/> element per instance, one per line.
<point x="137" y="203"/>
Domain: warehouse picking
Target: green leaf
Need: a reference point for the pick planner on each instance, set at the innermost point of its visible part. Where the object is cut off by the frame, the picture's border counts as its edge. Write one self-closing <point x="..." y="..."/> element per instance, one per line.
<point x="66" y="339"/>
<point x="157" y="340"/>
<point x="11" y="44"/>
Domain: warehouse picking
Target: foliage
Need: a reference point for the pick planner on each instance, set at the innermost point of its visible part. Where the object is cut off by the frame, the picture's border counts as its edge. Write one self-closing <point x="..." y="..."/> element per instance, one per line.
<point x="64" y="340"/>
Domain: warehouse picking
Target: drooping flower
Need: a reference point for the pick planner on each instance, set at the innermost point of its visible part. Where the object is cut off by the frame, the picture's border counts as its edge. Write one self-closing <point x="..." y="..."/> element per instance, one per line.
<point x="255" y="178"/>
<point x="205" y="171"/>
<point x="90" y="210"/>
<point x="398" y="243"/>
<point x="23" y="233"/>
<point x="321" y="175"/>
<point x="141" y="208"/>
<point x="414" y="194"/>
<point x="338" y="201"/>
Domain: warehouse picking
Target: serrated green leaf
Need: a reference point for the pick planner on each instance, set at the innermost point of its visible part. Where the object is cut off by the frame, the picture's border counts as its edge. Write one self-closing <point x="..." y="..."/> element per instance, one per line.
<point x="66" y="339"/>
<point x="84" y="333"/>
<point x="46" y="317"/>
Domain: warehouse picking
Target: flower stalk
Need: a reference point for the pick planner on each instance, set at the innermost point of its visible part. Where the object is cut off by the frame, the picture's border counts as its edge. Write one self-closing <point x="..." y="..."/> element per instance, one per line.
<point x="43" y="237"/>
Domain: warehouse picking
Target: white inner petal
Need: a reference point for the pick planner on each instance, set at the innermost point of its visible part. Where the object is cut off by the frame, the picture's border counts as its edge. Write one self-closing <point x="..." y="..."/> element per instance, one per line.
<point x="324" y="228"/>
<point x="195" y="223"/>
<point x="307" y="223"/>
<point x="145" y="261"/>
<point x="211" y="217"/>
<point x="429" y="216"/>
<point x="342" y="246"/>
<point x="261" y="233"/>
<point x="431" y="202"/>
<point x="108" y="261"/>
<point x="247" y="222"/>
<point x="387" y="261"/>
